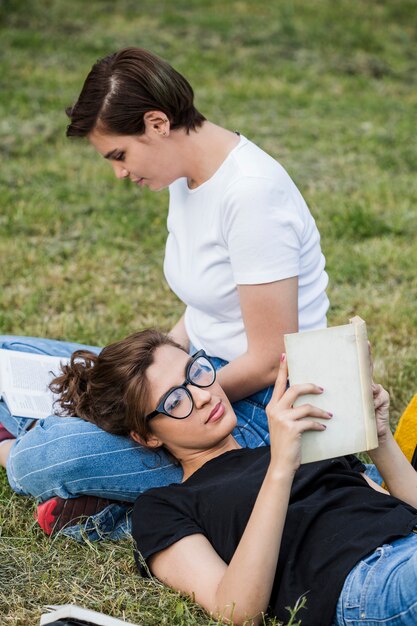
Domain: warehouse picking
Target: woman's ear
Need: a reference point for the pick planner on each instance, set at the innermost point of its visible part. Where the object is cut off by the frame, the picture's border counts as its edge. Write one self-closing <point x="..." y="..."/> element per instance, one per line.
<point x="150" y="442"/>
<point x="156" y="122"/>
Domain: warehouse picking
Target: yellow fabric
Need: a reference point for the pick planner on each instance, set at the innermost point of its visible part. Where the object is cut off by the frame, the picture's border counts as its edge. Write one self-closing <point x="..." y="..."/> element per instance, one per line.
<point x="406" y="431"/>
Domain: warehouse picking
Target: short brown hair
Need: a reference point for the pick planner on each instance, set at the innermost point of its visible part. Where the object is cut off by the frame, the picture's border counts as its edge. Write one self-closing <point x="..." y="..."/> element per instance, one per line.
<point x="111" y="389"/>
<point x="123" y="86"/>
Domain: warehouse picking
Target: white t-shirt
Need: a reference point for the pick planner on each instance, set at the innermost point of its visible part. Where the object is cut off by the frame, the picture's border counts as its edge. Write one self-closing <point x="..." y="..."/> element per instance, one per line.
<point x="248" y="224"/>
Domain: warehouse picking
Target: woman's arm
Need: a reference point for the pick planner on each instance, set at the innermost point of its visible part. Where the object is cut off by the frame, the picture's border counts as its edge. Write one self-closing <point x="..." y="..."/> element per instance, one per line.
<point x="398" y="474"/>
<point x="269" y="311"/>
<point x="241" y="590"/>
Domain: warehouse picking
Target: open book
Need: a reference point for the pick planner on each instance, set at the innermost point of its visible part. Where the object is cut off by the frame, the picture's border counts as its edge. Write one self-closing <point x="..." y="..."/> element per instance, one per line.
<point x="73" y="615"/>
<point x="24" y="380"/>
<point x="337" y="359"/>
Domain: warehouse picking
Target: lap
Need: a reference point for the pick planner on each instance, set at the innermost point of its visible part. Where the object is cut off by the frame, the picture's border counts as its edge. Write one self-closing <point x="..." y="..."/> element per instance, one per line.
<point x="67" y="456"/>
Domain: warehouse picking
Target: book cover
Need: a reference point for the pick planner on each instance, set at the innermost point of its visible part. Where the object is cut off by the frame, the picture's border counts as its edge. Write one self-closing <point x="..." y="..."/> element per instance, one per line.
<point x="337" y="359"/>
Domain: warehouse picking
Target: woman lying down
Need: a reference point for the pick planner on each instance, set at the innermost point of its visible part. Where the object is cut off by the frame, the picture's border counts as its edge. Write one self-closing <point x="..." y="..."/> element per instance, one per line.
<point x="250" y="531"/>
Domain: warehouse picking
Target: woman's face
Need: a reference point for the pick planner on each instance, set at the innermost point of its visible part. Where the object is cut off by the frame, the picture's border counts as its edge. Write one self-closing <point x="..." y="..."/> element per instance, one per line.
<point x="212" y="418"/>
<point x="148" y="160"/>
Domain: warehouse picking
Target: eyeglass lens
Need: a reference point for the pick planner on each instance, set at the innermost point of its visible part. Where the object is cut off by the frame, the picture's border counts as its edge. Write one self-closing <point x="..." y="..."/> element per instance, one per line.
<point x="179" y="402"/>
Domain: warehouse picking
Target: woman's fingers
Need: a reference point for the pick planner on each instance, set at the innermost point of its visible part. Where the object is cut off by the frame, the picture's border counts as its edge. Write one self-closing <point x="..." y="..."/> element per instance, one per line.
<point x="288" y="423"/>
<point x="308" y="410"/>
<point x="292" y="393"/>
<point x="305" y="425"/>
<point x="377" y="394"/>
<point x="281" y="381"/>
<point x="297" y="419"/>
<point x="284" y="416"/>
<point x="380" y="394"/>
<point x="295" y="391"/>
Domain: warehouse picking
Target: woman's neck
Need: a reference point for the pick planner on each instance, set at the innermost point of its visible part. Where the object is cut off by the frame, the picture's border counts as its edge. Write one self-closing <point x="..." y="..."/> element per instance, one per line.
<point x="204" y="150"/>
<point x="192" y="460"/>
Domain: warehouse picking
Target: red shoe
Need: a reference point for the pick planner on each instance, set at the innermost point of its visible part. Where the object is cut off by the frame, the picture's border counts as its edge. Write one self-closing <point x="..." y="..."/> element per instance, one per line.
<point x="4" y="434"/>
<point x="55" y="513"/>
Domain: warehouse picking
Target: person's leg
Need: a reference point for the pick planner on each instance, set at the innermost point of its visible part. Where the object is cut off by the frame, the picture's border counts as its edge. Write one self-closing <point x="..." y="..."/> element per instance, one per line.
<point x="39" y="345"/>
<point x="5" y="447"/>
<point x="381" y="589"/>
<point x="68" y="457"/>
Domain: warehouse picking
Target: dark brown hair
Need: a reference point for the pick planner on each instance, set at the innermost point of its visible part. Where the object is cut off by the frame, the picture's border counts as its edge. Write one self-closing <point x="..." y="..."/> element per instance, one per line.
<point x="111" y="389"/>
<point x="123" y="86"/>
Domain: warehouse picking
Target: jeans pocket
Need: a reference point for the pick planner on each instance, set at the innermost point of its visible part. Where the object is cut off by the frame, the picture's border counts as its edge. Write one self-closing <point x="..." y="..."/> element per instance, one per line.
<point x="363" y="577"/>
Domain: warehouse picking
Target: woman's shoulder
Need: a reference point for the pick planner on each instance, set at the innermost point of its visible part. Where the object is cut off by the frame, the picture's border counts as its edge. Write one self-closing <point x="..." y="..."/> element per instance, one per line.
<point x="253" y="162"/>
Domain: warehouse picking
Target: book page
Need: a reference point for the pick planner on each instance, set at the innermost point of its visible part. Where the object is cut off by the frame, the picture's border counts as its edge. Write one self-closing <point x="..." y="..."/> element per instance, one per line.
<point x="29" y="405"/>
<point x="330" y="358"/>
<point x="24" y="380"/>
<point x="85" y="616"/>
<point x="24" y="370"/>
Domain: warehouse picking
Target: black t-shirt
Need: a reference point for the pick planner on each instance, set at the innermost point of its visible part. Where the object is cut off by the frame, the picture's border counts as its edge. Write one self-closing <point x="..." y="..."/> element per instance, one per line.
<point x="334" y="519"/>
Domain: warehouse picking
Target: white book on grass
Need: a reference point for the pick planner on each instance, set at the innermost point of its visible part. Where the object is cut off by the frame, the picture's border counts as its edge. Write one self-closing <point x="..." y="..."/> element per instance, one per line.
<point x="24" y="380"/>
<point x="337" y="359"/>
<point x="82" y="616"/>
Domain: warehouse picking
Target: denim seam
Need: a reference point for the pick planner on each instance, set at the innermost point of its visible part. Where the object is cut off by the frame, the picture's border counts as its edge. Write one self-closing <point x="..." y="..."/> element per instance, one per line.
<point x="383" y="554"/>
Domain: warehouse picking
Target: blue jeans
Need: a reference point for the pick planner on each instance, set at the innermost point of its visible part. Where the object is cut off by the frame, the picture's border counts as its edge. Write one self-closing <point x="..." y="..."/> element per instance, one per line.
<point x="382" y="588"/>
<point x="68" y="457"/>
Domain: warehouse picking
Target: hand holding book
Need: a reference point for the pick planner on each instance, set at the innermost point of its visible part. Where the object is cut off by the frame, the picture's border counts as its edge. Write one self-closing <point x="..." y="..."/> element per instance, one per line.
<point x="337" y="359"/>
<point x="288" y="423"/>
<point x="381" y="406"/>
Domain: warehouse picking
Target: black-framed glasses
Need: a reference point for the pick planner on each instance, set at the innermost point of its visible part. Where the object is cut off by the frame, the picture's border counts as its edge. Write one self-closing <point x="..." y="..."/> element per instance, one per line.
<point x="178" y="402"/>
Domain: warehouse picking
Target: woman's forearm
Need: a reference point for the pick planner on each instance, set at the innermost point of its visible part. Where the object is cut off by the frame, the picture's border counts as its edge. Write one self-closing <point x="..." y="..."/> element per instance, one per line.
<point x="248" y="374"/>
<point x="269" y="311"/>
<point x="398" y="474"/>
<point x="245" y="589"/>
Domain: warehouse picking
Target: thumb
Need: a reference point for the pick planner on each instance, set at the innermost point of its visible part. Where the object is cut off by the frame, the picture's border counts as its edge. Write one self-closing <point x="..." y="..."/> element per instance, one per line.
<point x="281" y="381"/>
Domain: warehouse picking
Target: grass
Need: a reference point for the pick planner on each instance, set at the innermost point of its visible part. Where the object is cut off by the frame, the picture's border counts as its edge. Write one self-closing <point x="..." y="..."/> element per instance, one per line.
<point x="327" y="88"/>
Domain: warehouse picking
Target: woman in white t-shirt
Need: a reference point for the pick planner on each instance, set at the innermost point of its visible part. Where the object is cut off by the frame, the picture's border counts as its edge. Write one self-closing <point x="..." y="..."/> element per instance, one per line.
<point x="243" y="251"/>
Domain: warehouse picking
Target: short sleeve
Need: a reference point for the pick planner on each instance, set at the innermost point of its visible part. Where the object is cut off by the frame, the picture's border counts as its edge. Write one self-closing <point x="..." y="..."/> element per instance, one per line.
<point x="263" y="230"/>
<point x="157" y="523"/>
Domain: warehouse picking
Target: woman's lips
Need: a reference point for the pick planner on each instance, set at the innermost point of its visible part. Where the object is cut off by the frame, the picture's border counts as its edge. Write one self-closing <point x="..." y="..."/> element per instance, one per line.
<point x="216" y="413"/>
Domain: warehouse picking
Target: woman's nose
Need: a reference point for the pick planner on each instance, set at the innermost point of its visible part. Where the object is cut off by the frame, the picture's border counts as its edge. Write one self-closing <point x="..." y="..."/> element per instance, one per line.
<point x="120" y="170"/>
<point x="200" y="396"/>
